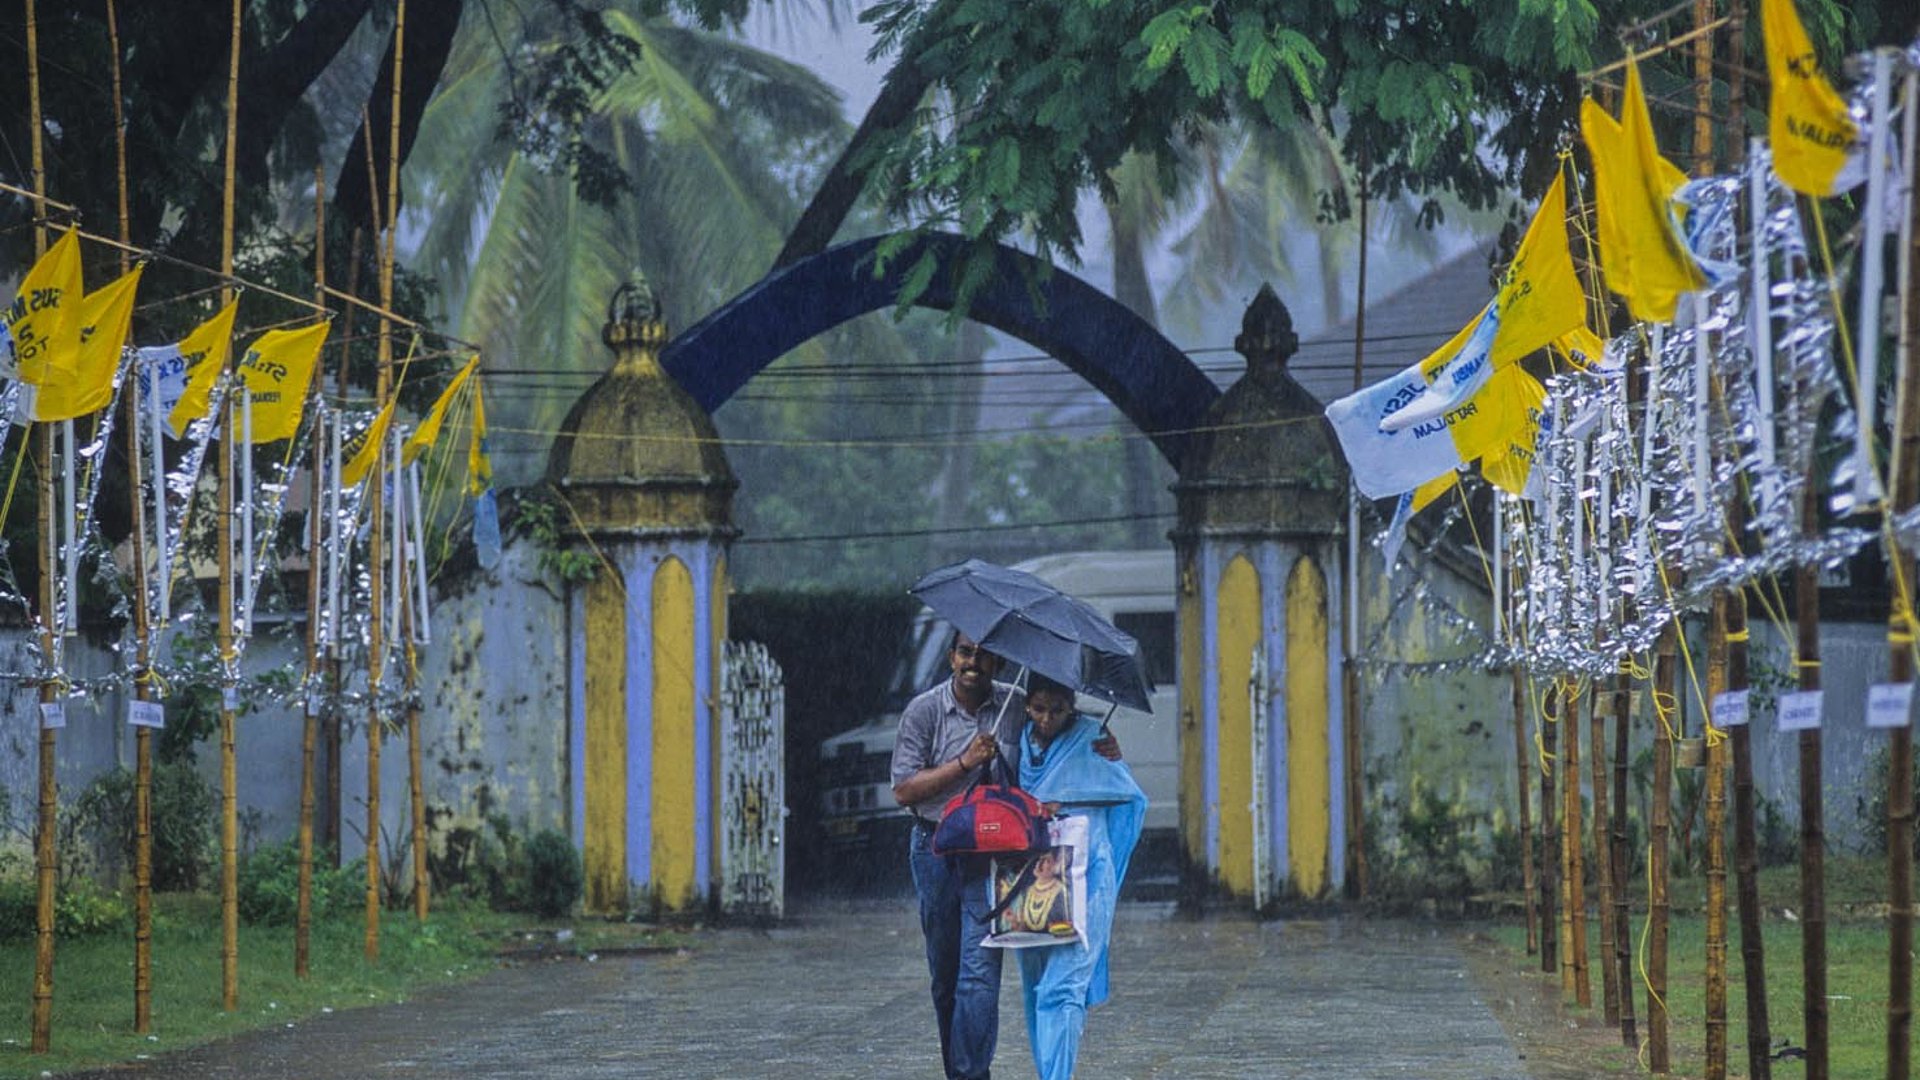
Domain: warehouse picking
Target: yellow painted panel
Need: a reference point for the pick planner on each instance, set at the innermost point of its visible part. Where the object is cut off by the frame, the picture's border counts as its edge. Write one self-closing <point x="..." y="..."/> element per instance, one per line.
<point x="1193" y="735"/>
<point x="605" y="855"/>
<point x="675" y="815"/>
<point x="1239" y="632"/>
<point x="1309" y="802"/>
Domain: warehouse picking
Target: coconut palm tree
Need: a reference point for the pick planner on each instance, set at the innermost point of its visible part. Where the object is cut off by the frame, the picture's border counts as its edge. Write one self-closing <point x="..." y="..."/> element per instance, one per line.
<point x="716" y="140"/>
<point x="1271" y="191"/>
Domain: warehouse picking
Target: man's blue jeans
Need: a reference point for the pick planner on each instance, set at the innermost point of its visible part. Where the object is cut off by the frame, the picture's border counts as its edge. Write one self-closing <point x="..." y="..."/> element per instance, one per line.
<point x="965" y="974"/>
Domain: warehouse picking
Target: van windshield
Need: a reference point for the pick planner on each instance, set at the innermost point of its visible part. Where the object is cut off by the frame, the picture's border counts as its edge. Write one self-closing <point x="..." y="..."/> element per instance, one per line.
<point x="922" y="665"/>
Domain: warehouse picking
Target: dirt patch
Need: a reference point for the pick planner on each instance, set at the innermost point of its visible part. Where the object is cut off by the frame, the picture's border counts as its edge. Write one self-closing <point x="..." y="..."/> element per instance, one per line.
<point x="1556" y="1041"/>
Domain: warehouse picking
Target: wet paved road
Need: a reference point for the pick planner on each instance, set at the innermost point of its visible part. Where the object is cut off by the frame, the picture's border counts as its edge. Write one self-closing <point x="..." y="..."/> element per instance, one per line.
<point x="841" y="992"/>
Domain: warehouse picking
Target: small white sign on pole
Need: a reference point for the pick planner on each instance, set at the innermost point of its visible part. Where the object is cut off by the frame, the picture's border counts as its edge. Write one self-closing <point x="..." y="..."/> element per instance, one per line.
<point x="230" y="698"/>
<point x="1730" y="709"/>
<point x="1888" y="705"/>
<point x="53" y="715"/>
<point x="148" y="714"/>
<point x="1800" y="711"/>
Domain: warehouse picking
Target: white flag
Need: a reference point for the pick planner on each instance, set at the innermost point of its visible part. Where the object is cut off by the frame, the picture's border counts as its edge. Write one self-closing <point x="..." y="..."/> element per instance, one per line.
<point x="165" y="367"/>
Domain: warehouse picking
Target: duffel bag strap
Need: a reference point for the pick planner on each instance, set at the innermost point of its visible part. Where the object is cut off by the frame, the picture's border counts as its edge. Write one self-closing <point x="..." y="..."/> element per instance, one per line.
<point x="1019" y="886"/>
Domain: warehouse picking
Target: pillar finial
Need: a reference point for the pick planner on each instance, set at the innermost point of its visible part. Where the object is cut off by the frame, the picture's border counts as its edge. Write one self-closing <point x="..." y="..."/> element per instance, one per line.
<point x="1266" y="336"/>
<point x="634" y="319"/>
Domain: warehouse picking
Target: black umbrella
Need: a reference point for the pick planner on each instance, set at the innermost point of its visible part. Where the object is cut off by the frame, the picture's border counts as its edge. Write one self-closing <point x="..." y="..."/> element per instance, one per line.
<point x="1025" y="620"/>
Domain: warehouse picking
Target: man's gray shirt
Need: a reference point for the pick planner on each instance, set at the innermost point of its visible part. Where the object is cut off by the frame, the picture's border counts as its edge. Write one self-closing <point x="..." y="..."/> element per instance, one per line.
<point x="934" y="729"/>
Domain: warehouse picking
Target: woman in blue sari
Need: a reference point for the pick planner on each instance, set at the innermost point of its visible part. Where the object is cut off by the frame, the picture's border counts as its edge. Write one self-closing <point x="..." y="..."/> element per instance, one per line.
<point x="1059" y="983"/>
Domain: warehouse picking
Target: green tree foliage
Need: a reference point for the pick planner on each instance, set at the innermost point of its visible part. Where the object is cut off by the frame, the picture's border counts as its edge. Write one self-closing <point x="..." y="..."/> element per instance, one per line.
<point x="1040" y="102"/>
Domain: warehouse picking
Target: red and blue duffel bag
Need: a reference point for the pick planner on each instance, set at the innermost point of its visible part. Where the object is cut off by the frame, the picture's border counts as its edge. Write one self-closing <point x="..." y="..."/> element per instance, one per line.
<point x="991" y="819"/>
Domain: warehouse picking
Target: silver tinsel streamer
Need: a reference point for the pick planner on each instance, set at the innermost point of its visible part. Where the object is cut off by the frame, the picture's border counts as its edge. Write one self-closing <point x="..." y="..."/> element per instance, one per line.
<point x="1666" y="533"/>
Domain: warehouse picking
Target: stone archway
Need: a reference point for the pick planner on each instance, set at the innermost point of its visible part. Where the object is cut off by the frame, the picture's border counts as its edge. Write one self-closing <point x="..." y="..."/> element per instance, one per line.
<point x="1146" y="376"/>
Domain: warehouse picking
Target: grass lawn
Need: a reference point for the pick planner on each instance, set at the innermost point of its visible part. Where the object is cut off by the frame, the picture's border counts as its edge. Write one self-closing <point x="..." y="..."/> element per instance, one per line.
<point x="1856" y="970"/>
<point x="93" y="979"/>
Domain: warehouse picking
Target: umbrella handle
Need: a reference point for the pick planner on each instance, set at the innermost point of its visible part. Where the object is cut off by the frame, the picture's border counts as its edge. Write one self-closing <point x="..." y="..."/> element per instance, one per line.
<point x="1019" y="680"/>
<point x="1112" y="707"/>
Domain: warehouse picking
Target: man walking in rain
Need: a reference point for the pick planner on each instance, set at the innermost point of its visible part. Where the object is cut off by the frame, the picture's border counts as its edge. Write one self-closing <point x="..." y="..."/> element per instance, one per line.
<point x="948" y="736"/>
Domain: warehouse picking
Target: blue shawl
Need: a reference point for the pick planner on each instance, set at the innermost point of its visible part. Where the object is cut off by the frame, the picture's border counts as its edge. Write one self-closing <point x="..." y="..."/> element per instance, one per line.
<point x="1069" y="772"/>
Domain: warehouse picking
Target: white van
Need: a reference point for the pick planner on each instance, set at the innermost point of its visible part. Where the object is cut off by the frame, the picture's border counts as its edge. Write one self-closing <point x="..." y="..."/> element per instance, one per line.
<point x="1134" y="590"/>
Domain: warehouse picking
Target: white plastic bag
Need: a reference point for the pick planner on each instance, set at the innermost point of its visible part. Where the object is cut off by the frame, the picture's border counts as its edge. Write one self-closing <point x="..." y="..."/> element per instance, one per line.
<point x="1050" y="902"/>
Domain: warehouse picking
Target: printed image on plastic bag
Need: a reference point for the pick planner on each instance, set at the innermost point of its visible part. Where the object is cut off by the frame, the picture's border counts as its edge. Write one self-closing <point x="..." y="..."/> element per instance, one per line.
<point x="1044" y="895"/>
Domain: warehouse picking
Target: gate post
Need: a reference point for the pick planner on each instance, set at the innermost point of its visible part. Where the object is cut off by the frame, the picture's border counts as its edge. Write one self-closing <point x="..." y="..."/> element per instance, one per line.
<point x="1262" y="508"/>
<point x="648" y="492"/>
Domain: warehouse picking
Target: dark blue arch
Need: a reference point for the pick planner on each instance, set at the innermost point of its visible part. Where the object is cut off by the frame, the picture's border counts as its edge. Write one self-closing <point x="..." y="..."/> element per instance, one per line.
<point x="1141" y="372"/>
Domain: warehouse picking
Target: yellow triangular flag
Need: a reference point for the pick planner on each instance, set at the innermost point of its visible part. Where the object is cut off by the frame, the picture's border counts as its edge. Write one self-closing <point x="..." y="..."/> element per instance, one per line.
<point x="276" y="370"/>
<point x="368" y="447"/>
<point x="479" y="458"/>
<point x="1539" y="300"/>
<point x="205" y="352"/>
<point x="1606" y="145"/>
<point x="106" y="317"/>
<point x="43" y="321"/>
<point x="428" y="432"/>
<point x="1660" y="266"/>
<point x="1425" y="494"/>
<point x="1816" y="144"/>
<point x="1540" y="296"/>
<point x="1496" y="415"/>
<point x="1509" y="467"/>
<point x="1581" y="348"/>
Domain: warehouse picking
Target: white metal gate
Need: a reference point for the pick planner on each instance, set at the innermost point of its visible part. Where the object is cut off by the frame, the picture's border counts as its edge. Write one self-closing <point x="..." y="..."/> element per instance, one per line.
<point x="1258" y="693"/>
<point x="753" y="794"/>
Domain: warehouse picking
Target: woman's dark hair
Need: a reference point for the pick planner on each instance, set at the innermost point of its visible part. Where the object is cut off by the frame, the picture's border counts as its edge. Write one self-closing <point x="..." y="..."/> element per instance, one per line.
<point x="1037" y="682"/>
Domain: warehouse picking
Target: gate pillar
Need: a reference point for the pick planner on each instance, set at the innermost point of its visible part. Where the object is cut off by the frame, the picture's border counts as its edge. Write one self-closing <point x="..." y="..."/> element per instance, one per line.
<point x="647" y="490"/>
<point x="1262" y="509"/>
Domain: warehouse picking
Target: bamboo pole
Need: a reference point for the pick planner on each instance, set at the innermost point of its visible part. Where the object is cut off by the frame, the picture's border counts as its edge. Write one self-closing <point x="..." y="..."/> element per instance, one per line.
<point x="1355" y="779"/>
<point x="1602" y="850"/>
<point x="45" y="850"/>
<point x="142" y="628"/>
<point x="310" y="716"/>
<point x="383" y="388"/>
<point x="1622" y="854"/>
<point x="1622" y="924"/>
<point x="1715" y="782"/>
<point x="1900" y="637"/>
<point x="1572" y="841"/>
<point x="1813" y="831"/>
<point x="1660" y="837"/>
<point x="1746" y="858"/>
<point x="1522" y="759"/>
<point x="1549" y="834"/>
<point x="229" y="771"/>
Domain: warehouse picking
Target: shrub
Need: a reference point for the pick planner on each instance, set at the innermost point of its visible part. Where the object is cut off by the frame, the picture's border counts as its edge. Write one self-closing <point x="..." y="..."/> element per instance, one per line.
<point x="269" y="885"/>
<point x="539" y="874"/>
<point x="551" y="876"/>
<point x="79" y="908"/>
<point x="1778" y="842"/>
<point x="474" y="861"/>
<point x="1871" y="804"/>
<point x="183" y="815"/>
